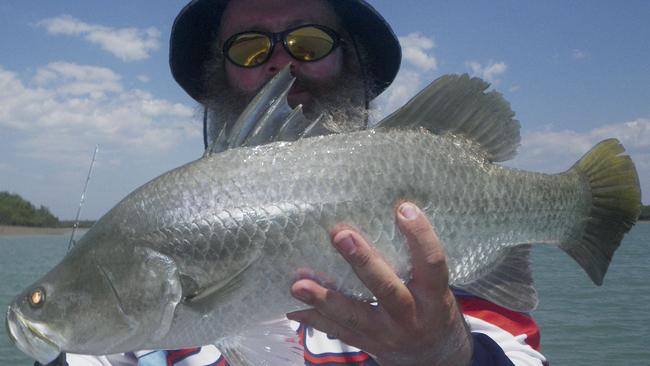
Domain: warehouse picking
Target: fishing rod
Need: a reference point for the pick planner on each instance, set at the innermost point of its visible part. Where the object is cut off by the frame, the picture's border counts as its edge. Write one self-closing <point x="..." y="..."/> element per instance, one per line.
<point x="83" y="199"/>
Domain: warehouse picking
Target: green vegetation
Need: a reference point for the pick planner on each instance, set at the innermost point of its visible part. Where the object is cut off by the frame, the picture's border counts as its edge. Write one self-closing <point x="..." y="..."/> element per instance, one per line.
<point x="645" y="213"/>
<point x="14" y="210"/>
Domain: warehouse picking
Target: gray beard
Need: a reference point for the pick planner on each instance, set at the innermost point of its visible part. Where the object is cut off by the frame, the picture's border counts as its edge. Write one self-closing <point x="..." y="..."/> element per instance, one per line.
<point x="341" y="103"/>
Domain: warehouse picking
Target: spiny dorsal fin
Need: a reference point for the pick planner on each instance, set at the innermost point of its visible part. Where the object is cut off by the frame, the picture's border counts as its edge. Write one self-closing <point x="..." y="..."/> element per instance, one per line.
<point x="267" y="118"/>
<point x="458" y="105"/>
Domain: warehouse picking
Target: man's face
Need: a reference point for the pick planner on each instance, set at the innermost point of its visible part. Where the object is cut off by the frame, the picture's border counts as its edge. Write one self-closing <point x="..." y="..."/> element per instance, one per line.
<point x="277" y="16"/>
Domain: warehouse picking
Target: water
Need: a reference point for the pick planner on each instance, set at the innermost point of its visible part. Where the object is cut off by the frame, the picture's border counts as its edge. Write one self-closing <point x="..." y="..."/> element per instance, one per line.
<point x="23" y="259"/>
<point x="581" y="324"/>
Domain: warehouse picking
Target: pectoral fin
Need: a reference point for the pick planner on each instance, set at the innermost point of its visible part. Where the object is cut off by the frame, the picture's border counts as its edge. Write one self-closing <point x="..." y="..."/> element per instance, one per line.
<point x="222" y="288"/>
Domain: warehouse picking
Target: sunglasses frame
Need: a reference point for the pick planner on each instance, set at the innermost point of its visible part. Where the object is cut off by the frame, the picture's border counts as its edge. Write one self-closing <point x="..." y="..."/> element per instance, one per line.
<point x="281" y="37"/>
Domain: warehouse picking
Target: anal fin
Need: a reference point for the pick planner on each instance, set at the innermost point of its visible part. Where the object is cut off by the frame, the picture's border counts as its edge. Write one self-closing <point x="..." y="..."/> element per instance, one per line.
<point x="509" y="284"/>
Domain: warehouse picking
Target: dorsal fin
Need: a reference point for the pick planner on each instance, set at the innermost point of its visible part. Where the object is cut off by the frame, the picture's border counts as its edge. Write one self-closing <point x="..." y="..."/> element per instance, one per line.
<point x="458" y="105"/>
<point x="267" y="118"/>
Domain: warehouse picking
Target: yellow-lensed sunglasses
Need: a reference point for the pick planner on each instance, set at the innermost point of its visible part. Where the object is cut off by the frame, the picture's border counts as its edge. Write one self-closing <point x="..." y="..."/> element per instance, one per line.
<point x="306" y="43"/>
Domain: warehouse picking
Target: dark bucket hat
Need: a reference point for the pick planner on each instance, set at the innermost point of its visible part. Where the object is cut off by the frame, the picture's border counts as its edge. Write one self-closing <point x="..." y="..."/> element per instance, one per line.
<point x="196" y="26"/>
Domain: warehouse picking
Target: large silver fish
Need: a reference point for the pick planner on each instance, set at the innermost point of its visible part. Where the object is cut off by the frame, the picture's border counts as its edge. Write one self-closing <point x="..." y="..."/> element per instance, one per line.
<point x="205" y="252"/>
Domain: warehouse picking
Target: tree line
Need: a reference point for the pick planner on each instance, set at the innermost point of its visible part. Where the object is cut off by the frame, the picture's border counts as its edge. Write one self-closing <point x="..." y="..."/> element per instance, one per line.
<point x="645" y="213"/>
<point x="14" y="210"/>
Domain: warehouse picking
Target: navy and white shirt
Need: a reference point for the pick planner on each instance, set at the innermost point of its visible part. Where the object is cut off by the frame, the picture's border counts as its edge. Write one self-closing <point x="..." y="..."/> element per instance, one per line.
<point x="501" y="337"/>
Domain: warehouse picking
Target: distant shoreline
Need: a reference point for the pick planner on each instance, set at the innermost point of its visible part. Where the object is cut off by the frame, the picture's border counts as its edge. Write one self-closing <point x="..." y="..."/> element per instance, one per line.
<point x="7" y="230"/>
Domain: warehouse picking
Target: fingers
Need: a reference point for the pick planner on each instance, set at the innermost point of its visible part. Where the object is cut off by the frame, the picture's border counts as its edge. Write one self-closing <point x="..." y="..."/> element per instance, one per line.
<point x="348" y="312"/>
<point x="427" y="254"/>
<point x="411" y="321"/>
<point x="316" y="320"/>
<point x="334" y="313"/>
<point x="375" y="273"/>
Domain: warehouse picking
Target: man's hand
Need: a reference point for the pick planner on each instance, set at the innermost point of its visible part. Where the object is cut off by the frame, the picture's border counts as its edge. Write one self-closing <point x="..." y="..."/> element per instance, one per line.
<point x="414" y="324"/>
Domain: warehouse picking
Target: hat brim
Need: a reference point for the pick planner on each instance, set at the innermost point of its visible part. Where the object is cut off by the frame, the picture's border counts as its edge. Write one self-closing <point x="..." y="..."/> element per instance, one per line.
<point x="196" y="26"/>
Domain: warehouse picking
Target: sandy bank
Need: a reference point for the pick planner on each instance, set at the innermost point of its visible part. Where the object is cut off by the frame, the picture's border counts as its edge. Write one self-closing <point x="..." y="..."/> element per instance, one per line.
<point x="27" y="230"/>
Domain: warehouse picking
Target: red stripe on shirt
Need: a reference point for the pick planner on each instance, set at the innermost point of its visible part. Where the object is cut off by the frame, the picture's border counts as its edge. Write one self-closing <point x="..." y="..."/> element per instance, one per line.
<point x="512" y="322"/>
<point x="331" y="358"/>
<point x="177" y="355"/>
<point x="328" y="357"/>
<point x="221" y="362"/>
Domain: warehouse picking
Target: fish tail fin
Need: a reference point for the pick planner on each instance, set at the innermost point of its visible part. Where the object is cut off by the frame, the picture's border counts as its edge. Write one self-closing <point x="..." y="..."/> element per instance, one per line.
<point x="272" y="343"/>
<point x="615" y="206"/>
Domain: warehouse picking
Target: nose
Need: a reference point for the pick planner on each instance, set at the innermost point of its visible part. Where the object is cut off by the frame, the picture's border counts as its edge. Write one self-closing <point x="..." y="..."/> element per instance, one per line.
<point x="278" y="60"/>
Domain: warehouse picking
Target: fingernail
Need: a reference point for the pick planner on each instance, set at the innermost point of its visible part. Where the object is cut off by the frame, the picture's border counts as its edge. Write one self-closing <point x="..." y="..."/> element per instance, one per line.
<point x="346" y="244"/>
<point x="303" y="295"/>
<point x="408" y="211"/>
<point x="303" y="273"/>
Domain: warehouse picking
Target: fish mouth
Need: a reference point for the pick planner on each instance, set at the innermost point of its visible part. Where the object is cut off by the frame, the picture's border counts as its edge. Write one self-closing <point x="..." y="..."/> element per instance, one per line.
<point x="29" y="337"/>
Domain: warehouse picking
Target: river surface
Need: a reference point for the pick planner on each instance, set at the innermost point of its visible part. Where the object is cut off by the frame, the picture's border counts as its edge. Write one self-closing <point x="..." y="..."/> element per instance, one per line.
<point x="581" y="324"/>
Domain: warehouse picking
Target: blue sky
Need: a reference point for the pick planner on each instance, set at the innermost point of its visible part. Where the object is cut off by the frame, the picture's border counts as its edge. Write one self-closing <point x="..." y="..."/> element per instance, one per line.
<point x="75" y="74"/>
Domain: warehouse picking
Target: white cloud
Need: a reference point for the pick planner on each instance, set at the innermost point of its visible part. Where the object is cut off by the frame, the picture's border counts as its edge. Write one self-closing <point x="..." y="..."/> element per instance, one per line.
<point x="416" y="71"/>
<point x="555" y="151"/>
<point x="143" y="78"/>
<point x="541" y="146"/>
<point x="66" y="108"/>
<point x="514" y="88"/>
<point x="406" y="85"/>
<point x="578" y="54"/>
<point x="414" y="51"/>
<point x="489" y="72"/>
<point x="128" y="44"/>
<point x="73" y="79"/>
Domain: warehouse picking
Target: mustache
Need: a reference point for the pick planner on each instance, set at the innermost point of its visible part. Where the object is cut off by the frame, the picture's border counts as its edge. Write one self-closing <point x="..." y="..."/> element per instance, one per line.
<point x="314" y="86"/>
<point x="304" y="83"/>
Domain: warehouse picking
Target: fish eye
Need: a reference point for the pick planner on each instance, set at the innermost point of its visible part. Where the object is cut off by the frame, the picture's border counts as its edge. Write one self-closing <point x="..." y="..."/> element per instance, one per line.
<point x="37" y="298"/>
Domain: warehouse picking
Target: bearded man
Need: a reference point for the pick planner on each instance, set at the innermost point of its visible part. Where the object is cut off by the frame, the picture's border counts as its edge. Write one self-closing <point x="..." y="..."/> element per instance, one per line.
<point x="343" y="54"/>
